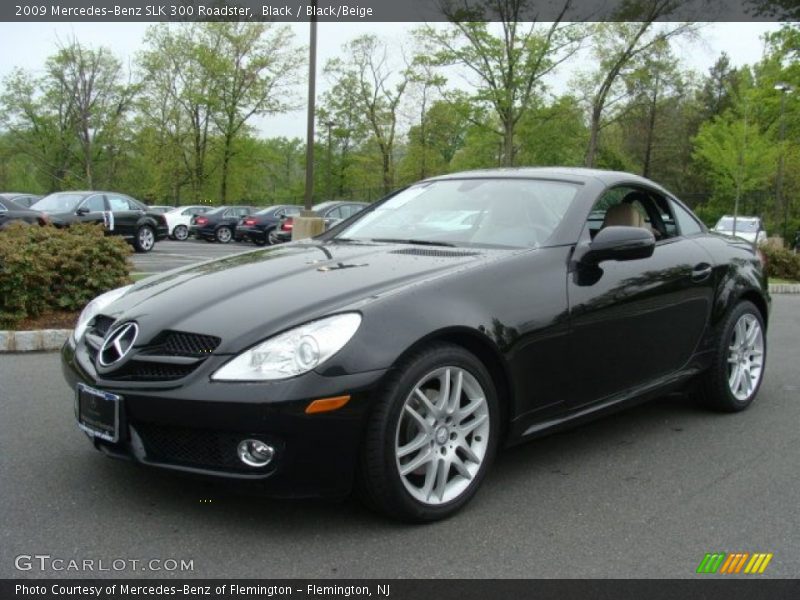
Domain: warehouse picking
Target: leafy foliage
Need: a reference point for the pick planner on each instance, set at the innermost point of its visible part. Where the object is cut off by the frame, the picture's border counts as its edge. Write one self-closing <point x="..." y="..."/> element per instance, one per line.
<point x="46" y="269"/>
<point x="781" y="262"/>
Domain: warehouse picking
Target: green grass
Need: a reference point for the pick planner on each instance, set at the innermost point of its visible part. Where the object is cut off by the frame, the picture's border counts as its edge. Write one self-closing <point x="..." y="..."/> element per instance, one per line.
<point x="136" y="276"/>
<point x="779" y="280"/>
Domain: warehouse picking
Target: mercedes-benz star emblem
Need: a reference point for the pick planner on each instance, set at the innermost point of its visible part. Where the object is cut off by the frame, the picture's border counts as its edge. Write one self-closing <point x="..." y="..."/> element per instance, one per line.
<point x="118" y="344"/>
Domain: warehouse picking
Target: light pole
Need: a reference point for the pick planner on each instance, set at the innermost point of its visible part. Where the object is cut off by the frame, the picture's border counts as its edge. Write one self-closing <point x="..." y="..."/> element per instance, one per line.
<point x="329" y="125"/>
<point x="308" y="224"/>
<point x="783" y="88"/>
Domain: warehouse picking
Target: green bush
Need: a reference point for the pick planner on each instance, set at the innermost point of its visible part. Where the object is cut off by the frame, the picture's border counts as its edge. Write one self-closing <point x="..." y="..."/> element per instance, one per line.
<point x="46" y="269"/>
<point x="781" y="262"/>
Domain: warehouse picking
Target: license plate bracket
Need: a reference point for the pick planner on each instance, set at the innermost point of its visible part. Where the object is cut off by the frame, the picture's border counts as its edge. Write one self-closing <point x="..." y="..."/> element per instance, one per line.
<point x="98" y="412"/>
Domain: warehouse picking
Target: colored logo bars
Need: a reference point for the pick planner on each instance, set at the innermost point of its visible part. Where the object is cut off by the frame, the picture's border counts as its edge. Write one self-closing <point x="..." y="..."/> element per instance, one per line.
<point x="734" y="562"/>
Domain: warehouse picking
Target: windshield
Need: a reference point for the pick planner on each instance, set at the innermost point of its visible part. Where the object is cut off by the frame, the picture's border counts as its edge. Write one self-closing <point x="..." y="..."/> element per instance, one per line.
<point x="470" y="212"/>
<point x="57" y="203"/>
<point x="743" y="225"/>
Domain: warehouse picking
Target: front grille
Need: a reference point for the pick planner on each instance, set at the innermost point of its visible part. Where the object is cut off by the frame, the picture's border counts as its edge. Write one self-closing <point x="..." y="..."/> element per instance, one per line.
<point x="144" y="365"/>
<point x="433" y="252"/>
<point x="179" y="343"/>
<point x="137" y="370"/>
<point x="101" y="325"/>
<point x="199" y="448"/>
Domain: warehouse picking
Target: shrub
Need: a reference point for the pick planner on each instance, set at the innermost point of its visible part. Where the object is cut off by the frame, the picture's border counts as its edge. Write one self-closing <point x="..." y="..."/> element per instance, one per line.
<point x="45" y="269"/>
<point x="781" y="262"/>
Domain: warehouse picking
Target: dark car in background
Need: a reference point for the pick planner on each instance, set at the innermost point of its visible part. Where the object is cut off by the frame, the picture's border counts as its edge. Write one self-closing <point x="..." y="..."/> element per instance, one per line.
<point x="219" y="224"/>
<point x="332" y="211"/>
<point x="21" y="199"/>
<point x="160" y="208"/>
<point x="120" y="214"/>
<point x="257" y="227"/>
<point x="396" y="354"/>
<point x="11" y="212"/>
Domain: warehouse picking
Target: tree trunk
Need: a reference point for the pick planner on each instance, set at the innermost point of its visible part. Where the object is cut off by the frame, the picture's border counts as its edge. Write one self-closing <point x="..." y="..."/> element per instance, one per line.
<point x="226" y="159"/>
<point x="387" y="174"/>
<point x="594" y="132"/>
<point x="508" y="143"/>
<point x="650" y="127"/>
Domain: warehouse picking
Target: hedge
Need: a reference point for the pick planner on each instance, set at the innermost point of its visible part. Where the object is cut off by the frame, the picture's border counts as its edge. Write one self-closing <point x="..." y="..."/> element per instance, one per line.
<point x="781" y="262"/>
<point x="45" y="269"/>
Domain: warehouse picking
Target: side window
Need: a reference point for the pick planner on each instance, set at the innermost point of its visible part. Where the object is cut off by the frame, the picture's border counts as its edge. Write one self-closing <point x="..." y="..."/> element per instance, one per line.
<point x="94" y="203"/>
<point x="686" y="222"/>
<point x="118" y="203"/>
<point x="335" y="213"/>
<point x="190" y="211"/>
<point x="243" y="212"/>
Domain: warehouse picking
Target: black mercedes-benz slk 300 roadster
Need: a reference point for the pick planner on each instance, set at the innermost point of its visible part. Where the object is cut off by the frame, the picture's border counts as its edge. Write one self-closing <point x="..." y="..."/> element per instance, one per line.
<point x="398" y="351"/>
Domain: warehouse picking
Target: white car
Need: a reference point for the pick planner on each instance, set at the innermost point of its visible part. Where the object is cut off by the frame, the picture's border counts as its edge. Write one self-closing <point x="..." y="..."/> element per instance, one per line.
<point x="747" y="228"/>
<point x="178" y="220"/>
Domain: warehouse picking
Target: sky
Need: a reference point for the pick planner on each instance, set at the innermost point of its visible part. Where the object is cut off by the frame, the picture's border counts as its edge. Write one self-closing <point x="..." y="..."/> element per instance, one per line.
<point x="27" y="45"/>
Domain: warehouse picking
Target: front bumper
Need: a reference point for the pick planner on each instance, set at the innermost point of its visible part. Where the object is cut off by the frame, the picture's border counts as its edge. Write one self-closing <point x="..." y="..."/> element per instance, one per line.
<point x="194" y="425"/>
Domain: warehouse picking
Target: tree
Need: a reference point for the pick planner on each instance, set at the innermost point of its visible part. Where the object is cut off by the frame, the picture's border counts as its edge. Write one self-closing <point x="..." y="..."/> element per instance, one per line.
<point x="378" y="89"/>
<point x="73" y="117"/>
<point x="618" y="45"/>
<point x="506" y="70"/>
<point x="253" y="69"/>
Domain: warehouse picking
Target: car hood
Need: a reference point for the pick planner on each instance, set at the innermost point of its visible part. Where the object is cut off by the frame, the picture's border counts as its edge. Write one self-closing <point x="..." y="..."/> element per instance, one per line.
<point x="750" y="236"/>
<point x="247" y="297"/>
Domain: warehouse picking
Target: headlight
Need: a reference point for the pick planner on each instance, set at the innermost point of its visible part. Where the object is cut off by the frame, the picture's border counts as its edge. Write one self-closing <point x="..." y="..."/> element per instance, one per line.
<point x="94" y="308"/>
<point x="293" y="352"/>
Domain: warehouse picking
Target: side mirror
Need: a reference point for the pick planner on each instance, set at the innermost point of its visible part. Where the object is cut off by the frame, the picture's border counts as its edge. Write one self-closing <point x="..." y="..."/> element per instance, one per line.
<point x="620" y="243"/>
<point x="82" y="211"/>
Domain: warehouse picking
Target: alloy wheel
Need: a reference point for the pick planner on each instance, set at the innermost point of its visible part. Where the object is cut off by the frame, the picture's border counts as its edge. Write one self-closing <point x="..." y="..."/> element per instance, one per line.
<point x="181" y="232"/>
<point x="745" y="357"/>
<point x="146" y="239"/>
<point x="442" y="435"/>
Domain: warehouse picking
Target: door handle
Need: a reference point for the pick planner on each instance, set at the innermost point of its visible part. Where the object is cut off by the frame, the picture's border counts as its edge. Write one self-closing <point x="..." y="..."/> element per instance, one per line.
<point x="701" y="272"/>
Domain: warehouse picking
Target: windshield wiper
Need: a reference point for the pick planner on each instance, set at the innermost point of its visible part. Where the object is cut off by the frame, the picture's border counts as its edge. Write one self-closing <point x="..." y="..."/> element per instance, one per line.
<point x="411" y="241"/>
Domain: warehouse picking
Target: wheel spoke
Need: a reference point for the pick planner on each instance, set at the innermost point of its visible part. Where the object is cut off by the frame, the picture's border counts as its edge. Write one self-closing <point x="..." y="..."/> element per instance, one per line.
<point x="461" y="468"/>
<point x="444" y="393"/>
<point x="423" y="424"/>
<point x="426" y="402"/>
<point x="472" y="425"/>
<point x="470" y="408"/>
<point x="412" y="446"/>
<point x="415" y="464"/>
<point x="735" y="378"/>
<point x="741" y="332"/>
<point x="430" y="479"/>
<point x="471" y="456"/>
<point x="442" y="472"/>
<point x="455" y="395"/>
<point x="752" y="334"/>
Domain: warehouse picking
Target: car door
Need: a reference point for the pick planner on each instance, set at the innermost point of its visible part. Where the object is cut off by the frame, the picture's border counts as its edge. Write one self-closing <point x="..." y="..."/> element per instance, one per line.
<point x="93" y="209"/>
<point x="636" y="322"/>
<point x="4" y="214"/>
<point x="332" y="216"/>
<point x="126" y="214"/>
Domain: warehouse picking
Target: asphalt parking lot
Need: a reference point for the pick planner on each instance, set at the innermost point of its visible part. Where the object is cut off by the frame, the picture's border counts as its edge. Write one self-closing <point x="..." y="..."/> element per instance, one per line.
<point x="645" y="493"/>
<point x="169" y="254"/>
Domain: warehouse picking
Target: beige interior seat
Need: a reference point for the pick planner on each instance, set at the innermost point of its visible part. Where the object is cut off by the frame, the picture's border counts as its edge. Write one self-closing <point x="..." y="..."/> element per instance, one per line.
<point x="624" y="215"/>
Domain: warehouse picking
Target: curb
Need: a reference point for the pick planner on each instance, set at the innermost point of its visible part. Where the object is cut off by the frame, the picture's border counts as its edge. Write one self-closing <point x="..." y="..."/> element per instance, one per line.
<point x="784" y="288"/>
<point x="45" y="340"/>
<point x="33" y="341"/>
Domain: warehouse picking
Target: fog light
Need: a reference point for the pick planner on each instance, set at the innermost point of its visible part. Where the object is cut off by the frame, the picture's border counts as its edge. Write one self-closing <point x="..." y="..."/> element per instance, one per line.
<point x="255" y="453"/>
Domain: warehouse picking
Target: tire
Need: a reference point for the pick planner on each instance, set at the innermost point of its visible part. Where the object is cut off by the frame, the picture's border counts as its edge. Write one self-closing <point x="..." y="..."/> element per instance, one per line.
<point x="741" y="348"/>
<point x="452" y="451"/>
<point x="272" y="238"/>
<point x="145" y="239"/>
<point x="180" y="233"/>
<point x="266" y="240"/>
<point x="224" y="235"/>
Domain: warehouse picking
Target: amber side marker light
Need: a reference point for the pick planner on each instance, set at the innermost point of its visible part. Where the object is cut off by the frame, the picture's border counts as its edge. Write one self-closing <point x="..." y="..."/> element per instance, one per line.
<point x="327" y="404"/>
